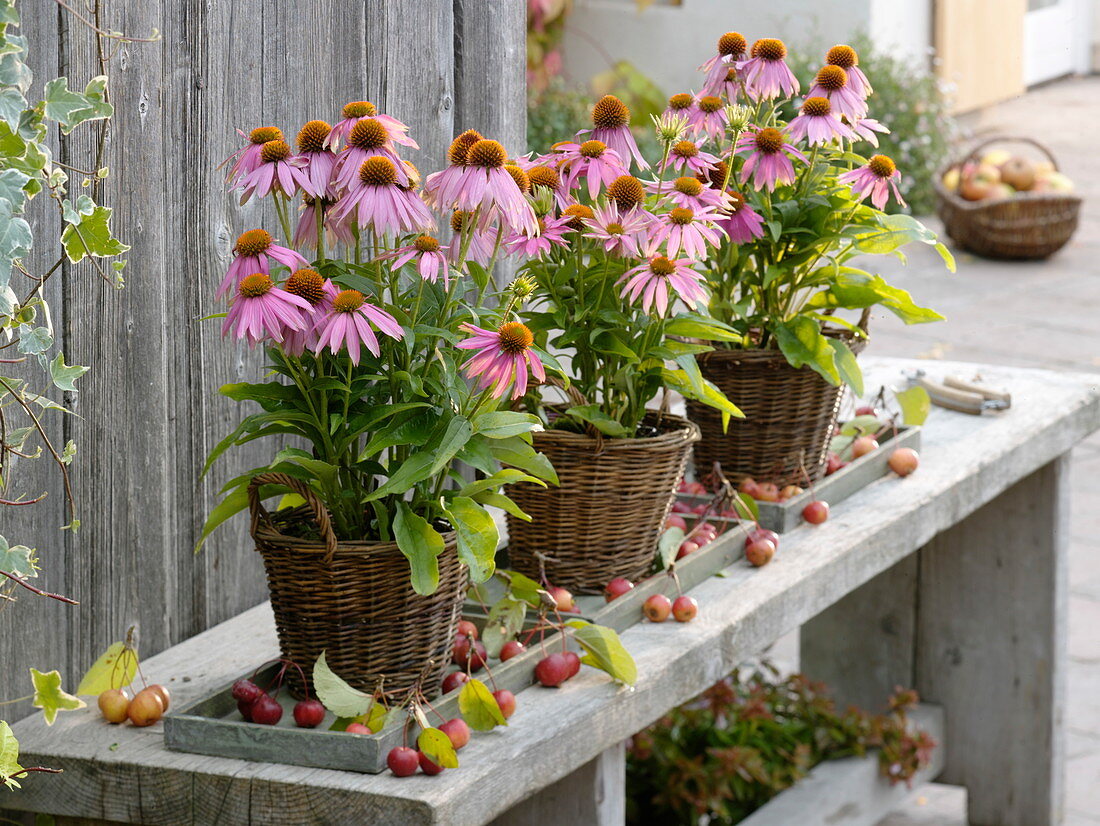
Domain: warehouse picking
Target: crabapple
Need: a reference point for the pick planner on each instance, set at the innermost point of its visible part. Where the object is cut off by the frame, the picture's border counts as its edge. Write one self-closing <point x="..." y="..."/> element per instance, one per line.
<point x="453" y="681"/>
<point x="427" y="766"/>
<point x="403" y="761"/>
<point x="553" y="670"/>
<point x="867" y="410"/>
<point x="617" y="587"/>
<point x="759" y="552"/>
<point x="506" y="700"/>
<point x="903" y="461"/>
<point x="266" y="711"/>
<point x="308" y="713"/>
<point x="762" y="533"/>
<point x="816" y="512"/>
<point x="657" y="608"/>
<point x="114" y="705"/>
<point x="696" y="489"/>
<point x="512" y="648"/>
<point x="749" y="487"/>
<point x="574" y="662"/>
<point x="790" y="492"/>
<point x="687" y="547"/>
<point x="146" y="708"/>
<point x="562" y="597"/>
<point x="358" y="728"/>
<point x="685" y="608"/>
<point x="681" y="507"/>
<point x="768" y="492"/>
<point x="833" y="463"/>
<point x="863" y="445"/>
<point x="162" y="692"/>
<point x="676" y="521"/>
<point x="468" y="628"/>
<point x="245" y="708"/>
<point x="457" y="730"/>
<point x="246" y="691"/>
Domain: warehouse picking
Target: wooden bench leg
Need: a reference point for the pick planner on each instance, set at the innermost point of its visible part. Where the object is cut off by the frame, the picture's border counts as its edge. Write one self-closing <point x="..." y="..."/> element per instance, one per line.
<point x="976" y="621"/>
<point x="594" y="794"/>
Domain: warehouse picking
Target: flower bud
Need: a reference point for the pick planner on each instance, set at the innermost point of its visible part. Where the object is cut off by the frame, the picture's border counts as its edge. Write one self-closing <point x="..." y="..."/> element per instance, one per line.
<point x="523" y="287"/>
<point x="738" y="117"/>
<point x="669" y="127"/>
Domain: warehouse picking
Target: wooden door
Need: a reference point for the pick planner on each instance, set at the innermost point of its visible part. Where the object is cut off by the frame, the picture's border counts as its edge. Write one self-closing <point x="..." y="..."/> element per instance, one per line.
<point x="980" y="49"/>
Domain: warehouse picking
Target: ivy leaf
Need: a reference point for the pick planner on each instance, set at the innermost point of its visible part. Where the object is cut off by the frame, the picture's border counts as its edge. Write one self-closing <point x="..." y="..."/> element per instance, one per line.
<point x="604" y="650"/>
<point x="17" y="559"/>
<point x="12" y="182"/>
<point x="92" y="236"/>
<point x="9" y="756"/>
<point x="64" y="375"/>
<point x="477" y="536"/>
<point x="49" y="696"/>
<point x="70" y="108"/>
<point x="479" y="709"/>
<point x="421" y="545"/>
<point x="34" y="340"/>
<point x="336" y="695"/>
<point x="115" y="668"/>
<point x="438" y="748"/>
<point x="16" y="238"/>
<point x="915" y="404"/>
<point x="12" y="104"/>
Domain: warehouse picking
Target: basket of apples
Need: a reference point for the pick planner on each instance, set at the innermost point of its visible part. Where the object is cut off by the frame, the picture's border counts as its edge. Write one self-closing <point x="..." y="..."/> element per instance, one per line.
<point x="1000" y="204"/>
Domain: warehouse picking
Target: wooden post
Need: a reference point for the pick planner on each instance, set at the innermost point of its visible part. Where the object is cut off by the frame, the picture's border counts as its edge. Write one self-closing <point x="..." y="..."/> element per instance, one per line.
<point x="976" y="622"/>
<point x="594" y="794"/>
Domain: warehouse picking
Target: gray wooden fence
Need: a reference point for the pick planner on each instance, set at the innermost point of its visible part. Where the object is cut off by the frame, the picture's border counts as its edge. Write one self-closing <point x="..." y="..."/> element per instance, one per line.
<point x="149" y="411"/>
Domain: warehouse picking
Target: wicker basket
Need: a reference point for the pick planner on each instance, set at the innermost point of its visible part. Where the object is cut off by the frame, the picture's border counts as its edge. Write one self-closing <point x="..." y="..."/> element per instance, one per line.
<point x="789" y="419"/>
<point x="353" y="600"/>
<point x="1029" y="225"/>
<point x="605" y="517"/>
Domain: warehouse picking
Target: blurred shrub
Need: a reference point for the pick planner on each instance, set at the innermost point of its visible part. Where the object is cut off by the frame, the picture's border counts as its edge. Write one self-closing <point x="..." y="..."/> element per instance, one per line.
<point x="726" y="753"/>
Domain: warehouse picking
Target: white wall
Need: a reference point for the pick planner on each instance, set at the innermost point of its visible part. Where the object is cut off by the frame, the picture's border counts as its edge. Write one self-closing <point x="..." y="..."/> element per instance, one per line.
<point x="667" y="42"/>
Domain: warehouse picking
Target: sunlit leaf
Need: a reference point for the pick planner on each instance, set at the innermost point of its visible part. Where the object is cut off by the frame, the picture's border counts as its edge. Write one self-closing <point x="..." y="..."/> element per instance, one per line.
<point x="336" y="695"/>
<point x="421" y="544"/>
<point x="115" y="668"/>
<point x="915" y="404"/>
<point x="437" y="747"/>
<point x="49" y="696"/>
<point x="479" y="709"/>
<point x="604" y="650"/>
<point x="9" y="756"/>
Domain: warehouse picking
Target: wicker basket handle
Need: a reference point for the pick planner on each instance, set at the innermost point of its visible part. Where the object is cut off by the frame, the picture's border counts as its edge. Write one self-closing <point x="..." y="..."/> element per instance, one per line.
<point x="320" y="513"/>
<point x="973" y="155"/>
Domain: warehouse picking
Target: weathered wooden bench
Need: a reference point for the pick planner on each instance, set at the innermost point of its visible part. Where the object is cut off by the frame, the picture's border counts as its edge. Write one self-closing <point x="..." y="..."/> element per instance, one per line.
<point x="952" y="580"/>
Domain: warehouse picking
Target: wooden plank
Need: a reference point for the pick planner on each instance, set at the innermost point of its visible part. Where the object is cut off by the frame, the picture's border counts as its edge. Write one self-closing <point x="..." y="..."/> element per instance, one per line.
<point x="851" y="791"/>
<point x="980" y="46"/>
<point x="863" y="645"/>
<point x="967" y="462"/>
<point x="991" y="631"/>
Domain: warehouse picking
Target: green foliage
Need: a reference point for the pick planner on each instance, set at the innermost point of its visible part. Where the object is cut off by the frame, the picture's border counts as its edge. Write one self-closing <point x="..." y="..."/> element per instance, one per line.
<point x="555" y="112"/>
<point x="50" y="697"/>
<point x="9" y="757"/>
<point x="115" y="668"/>
<point x="729" y="751"/>
<point x="479" y="708"/>
<point x="912" y="101"/>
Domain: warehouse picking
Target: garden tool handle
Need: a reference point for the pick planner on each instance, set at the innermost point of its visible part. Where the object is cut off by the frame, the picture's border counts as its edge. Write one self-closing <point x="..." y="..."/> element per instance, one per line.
<point x="953" y="398"/>
<point x="320" y="512"/>
<point x="986" y="393"/>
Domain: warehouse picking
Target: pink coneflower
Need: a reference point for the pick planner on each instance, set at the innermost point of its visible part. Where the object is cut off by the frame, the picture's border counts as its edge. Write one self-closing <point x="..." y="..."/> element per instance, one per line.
<point x="381" y="203"/>
<point x="368" y="139"/>
<point x="683" y="228"/>
<point x="481" y="241"/>
<point x="430" y="261"/>
<point x="766" y="72"/>
<point x="767" y="163"/>
<point x="817" y="124"/>
<point x="547" y="177"/>
<point x="305" y="234"/>
<point x="593" y="161"/>
<point x="611" y="122"/>
<point x="708" y="117"/>
<point x="356" y="111"/>
<point x="319" y="293"/>
<point x="832" y="82"/>
<point x="846" y="58"/>
<point x="504" y="357"/>
<point x="349" y="325"/>
<point x="552" y="233"/>
<point x="742" y="223"/>
<point x="247" y="158"/>
<point x="689" y="192"/>
<point x="680" y="105"/>
<point x="866" y="127"/>
<point x="251" y="254"/>
<point x="441" y="189"/>
<point x="731" y="51"/>
<point x="878" y="178"/>
<point x="314" y="158"/>
<point x="483" y="183"/>
<point x="658" y="277"/>
<point x="686" y="155"/>
<point x="262" y="311"/>
<point x="276" y="173"/>
<point x="620" y="233"/>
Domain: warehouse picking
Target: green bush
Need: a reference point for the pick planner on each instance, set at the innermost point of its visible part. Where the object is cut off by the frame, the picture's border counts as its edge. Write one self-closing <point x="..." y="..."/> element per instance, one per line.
<point x="911" y="101"/>
<point x="729" y="751"/>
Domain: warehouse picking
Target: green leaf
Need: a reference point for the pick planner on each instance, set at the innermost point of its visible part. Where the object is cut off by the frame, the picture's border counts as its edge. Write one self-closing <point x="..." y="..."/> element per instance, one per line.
<point x="668" y="545"/>
<point x="592" y="414"/>
<point x="690" y="325"/>
<point x="605" y="651"/>
<point x="499" y="500"/>
<point x="12" y="104"/>
<point x="521" y="587"/>
<point x="421" y="545"/>
<point x="501" y="424"/>
<point x="64" y="375"/>
<point x="505" y="476"/>
<point x="92" y="236"/>
<point x="802" y="343"/>
<point x="847" y="365"/>
<point x="9" y="756"/>
<point x="477" y="536"/>
<point x="230" y="506"/>
<point x="17" y="559"/>
<point x="915" y="404"/>
<point x="115" y="668"/>
<point x="34" y="340"/>
<point x="49" y="696"/>
<point x="516" y="452"/>
<point x="746" y="507"/>
<point x="505" y="620"/>
<point x="71" y="108"/>
<point x="459" y="430"/>
<point x="336" y="695"/>
<point x="479" y="708"/>
<point x="437" y="747"/>
<point x="416" y="468"/>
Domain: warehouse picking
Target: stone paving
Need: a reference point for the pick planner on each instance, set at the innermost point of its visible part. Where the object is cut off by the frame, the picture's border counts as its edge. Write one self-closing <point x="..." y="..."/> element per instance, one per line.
<point x="1043" y="314"/>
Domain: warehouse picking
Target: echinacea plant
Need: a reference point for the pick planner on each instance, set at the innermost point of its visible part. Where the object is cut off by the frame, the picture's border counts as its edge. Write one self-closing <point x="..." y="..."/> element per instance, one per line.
<point x="383" y="356"/>
<point x="797" y="212"/>
<point x="619" y="284"/>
